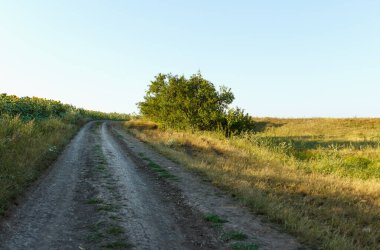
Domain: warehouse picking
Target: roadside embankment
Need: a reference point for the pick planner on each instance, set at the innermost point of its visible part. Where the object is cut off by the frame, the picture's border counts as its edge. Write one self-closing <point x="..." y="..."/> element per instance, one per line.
<point x="33" y="132"/>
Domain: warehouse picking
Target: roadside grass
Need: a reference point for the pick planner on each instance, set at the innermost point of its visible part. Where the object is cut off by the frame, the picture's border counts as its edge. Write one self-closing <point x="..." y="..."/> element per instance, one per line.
<point x="217" y="222"/>
<point x="95" y="201"/>
<point x="318" y="178"/>
<point x="234" y="235"/>
<point x="244" y="246"/>
<point x="33" y="132"/>
<point x="26" y="149"/>
<point x="214" y="219"/>
<point x="119" y="244"/>
<point x="161" y="172"/>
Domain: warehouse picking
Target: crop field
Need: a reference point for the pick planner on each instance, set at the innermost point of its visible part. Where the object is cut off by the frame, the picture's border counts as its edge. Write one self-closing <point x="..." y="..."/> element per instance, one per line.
<point x="317" y="178"/>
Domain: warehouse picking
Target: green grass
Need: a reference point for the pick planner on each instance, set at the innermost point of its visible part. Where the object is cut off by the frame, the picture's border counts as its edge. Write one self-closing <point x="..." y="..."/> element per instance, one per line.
<point x="101" y="161"/>
<point x="26" y="149"/>
<point x="115" y="230"/>
<point x="158" y="169"/>
<point x="244" y="246"/>
<point x="33" y="132"/>
<point x="102" y="231"/>
<point x="95" y="201"/>
<point x="107" y="233"/>
<point x="317" y="178"/>
<point x="341" y="147"/>
<point x="119" y="244"/>
<point x="233" y="235"/>
<point x="215" y="219"/>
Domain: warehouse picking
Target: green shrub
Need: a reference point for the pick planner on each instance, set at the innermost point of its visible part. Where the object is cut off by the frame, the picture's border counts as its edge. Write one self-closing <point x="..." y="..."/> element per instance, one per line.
<point x="193" y="103"/>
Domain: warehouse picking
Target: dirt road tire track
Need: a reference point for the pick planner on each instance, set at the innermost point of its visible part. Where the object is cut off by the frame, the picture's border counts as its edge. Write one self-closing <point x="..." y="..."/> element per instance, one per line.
<point x="55" y="214"/>
<point x="202" y="196"/>
<point x="156" y="216"/>
<point x="102" y="164"/>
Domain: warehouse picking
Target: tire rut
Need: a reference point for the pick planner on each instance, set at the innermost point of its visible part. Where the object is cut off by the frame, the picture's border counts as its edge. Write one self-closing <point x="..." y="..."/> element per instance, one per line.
<point x="156" y="217"/>
<point x="202" y="196"/>
<point x="100" y="193"/>
<point x="96" y="196"/>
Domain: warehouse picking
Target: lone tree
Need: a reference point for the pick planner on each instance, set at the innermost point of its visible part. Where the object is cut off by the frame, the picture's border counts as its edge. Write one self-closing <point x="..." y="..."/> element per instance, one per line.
<point x="194" y="103"/>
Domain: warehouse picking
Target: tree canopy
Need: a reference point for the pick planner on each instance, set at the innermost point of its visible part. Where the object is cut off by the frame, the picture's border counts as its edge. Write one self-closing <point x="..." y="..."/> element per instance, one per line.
<point x="194" y="103"/>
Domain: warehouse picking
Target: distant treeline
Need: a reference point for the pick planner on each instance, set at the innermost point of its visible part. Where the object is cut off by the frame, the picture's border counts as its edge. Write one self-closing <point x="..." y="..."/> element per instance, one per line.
<point x="29" y="108"/>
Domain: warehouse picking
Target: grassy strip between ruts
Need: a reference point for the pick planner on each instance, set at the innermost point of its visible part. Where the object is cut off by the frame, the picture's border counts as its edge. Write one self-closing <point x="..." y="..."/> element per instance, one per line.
<point x="161" y="172"/>
<point x="326" y="209"/>
<point x="107" y="232"/>
<point x="234" y="237"/>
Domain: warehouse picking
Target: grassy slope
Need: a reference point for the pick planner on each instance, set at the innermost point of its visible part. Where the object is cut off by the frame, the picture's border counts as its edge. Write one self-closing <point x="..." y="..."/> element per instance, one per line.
<point x="33" y="131"/>
<point x="26" y="149"/>
<point x="318" y="178"/>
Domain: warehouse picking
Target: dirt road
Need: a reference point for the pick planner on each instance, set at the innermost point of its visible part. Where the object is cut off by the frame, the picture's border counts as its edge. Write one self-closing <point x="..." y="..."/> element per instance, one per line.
<point x="109" y="190"/>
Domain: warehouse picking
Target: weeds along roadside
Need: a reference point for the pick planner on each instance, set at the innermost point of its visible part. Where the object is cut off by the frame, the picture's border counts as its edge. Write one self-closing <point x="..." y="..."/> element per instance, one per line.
<point x="33" y="132"/>
<point x="26" y="149"/>
<point x="327" y="210"/>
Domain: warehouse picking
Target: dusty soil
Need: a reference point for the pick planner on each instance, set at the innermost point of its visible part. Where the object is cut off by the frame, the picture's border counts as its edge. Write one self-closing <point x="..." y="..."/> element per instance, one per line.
<point x="101" y="193"/>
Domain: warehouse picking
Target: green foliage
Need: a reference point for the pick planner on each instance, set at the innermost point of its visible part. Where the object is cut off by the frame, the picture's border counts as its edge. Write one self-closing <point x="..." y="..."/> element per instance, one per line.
<point x="234" y="235"/>
<point x="244" y="246"/>
<point x="237" y="120"/>
<point x="26" y="149"/>
<point x="159" y="170"/>
<point x="193" y="103"/>
<point x="32" y="107"/>
<point x="29" y="108"/>
<point x="214" y="218"/>
<point x="32" y="133"/>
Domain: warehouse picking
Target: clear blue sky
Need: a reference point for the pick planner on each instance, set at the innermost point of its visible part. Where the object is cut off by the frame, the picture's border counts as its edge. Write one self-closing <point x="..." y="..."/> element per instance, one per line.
<point x="281" y="58"/>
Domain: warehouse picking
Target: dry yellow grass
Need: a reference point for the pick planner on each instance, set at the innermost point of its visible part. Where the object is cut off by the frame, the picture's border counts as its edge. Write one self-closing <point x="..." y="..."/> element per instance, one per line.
<point x="326" y="209"/>
<point x="354" y="129"/>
